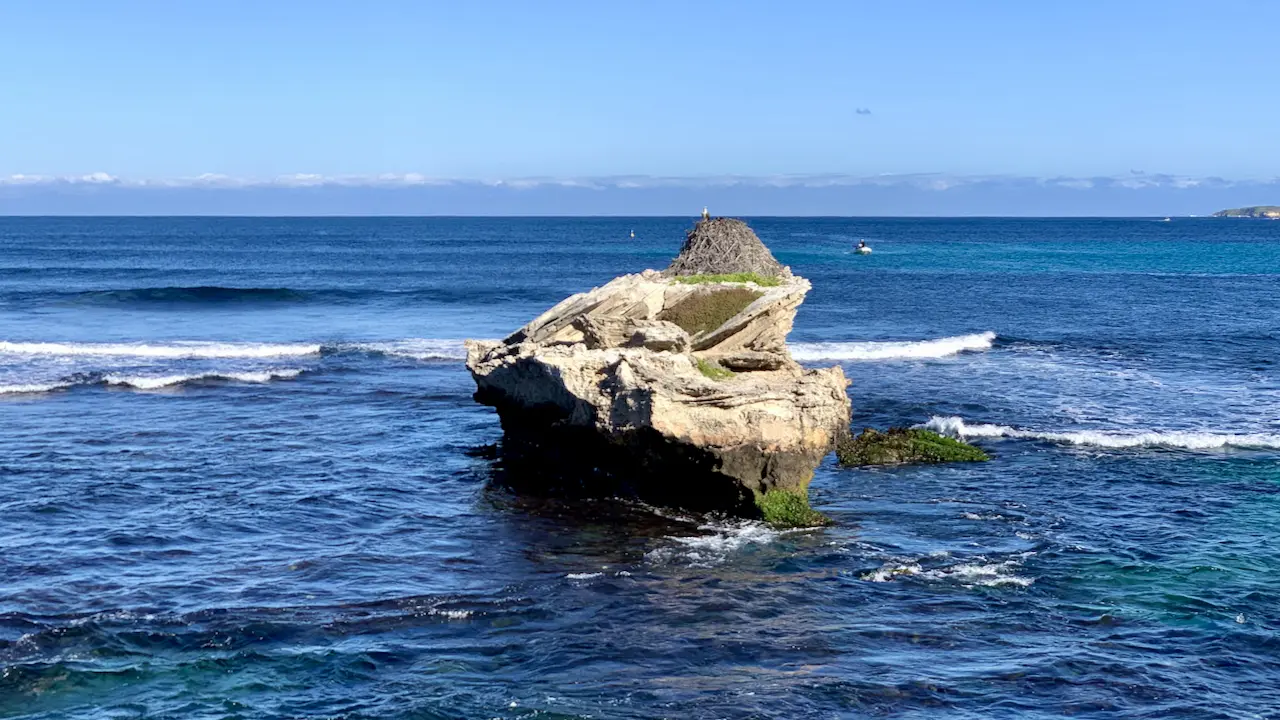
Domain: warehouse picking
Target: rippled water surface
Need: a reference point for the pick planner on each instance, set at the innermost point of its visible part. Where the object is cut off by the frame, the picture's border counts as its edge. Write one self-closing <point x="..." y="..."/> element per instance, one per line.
<point x="242" y="476"/>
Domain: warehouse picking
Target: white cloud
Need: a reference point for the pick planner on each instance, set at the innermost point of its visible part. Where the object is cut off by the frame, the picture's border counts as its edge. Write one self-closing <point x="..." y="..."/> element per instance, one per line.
<point x="26" y="180"/>
<point x="1073" y="183"/>
<point x="216" y="179"/>
<point x="301" y="180"/>
<point x="937" y="182"/>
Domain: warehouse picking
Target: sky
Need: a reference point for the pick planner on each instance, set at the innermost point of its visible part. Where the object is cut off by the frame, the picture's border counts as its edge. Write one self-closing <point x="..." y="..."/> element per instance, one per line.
<point x="299" y="93"/>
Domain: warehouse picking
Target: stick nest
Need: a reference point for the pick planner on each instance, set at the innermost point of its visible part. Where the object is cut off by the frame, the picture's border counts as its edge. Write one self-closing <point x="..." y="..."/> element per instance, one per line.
<point x="722" y="246"/>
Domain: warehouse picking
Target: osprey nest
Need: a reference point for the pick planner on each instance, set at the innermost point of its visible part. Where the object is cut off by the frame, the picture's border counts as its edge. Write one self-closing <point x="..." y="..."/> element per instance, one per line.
<point x="723" y="245"/>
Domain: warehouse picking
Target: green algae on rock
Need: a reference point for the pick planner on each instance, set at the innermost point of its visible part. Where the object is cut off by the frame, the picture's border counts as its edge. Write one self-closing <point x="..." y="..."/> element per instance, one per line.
<point x="713" y="370"/>
<point x="897" y="446"/>
<point x="740" y="277"/>
<point x="702" y="312"/>
<point x="783" y="508"/>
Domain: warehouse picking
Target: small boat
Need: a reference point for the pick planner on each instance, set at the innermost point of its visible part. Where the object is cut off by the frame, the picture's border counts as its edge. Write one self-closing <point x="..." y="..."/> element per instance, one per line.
<point x="633" y="233"/>
<point x="862" y="249"/>
<point x="1167" y="220"/>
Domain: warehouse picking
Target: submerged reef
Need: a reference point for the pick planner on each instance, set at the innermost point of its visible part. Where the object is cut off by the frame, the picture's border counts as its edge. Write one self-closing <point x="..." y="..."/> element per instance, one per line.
<point x="897" y="446"/>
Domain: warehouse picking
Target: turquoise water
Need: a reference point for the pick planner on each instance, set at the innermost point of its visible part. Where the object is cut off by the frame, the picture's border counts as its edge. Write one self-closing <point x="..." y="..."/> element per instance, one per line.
<point x="241" y="475"/>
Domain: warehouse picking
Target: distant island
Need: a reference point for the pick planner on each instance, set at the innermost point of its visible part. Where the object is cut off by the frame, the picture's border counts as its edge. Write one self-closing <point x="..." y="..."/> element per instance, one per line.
<point x="1269" y="212"/>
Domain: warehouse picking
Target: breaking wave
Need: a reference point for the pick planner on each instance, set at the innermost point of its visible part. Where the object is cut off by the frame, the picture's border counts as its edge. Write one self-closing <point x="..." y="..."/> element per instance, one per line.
<point x="33" y="388"/>
<point x="154" y="382"/>
<point x="177" y="350"/>
<point x="46" y="367"/>
<point x="957" y="427"/>
<point x="722" y="541"/>
<point x="969" y="574"/>
<point x="413" y="348"/>
<point x="894" y="350"/>
<point x="150" y="382"/>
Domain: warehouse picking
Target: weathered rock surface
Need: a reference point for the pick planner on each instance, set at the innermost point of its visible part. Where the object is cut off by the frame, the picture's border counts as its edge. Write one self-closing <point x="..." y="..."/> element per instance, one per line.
<point x="603" y="395"/>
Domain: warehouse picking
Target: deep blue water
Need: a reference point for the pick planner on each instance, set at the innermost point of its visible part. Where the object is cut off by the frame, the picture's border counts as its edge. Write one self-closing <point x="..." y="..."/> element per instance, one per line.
<point x="242" y="476"/>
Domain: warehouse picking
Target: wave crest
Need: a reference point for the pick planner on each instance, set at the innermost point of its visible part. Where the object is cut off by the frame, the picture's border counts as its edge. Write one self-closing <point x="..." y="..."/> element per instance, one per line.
<point x="33" y="388"/>
<point x="957" y="427"/>
<point x="177" y="350"/>
<point x="893" y="350"/>
<point x="150" y="382"/>
<point x="413" y="349"/>
<point x="155" y="382"/>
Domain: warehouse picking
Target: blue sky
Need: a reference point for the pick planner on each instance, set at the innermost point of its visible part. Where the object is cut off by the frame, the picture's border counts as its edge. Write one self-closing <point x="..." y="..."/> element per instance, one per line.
<point x="499" y="90"/>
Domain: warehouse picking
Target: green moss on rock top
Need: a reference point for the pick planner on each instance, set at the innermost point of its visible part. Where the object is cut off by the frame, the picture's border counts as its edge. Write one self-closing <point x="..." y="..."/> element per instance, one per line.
<point x="706" y="311"/>
<point x="904" y="445"/>
<point x="742" y="277"/>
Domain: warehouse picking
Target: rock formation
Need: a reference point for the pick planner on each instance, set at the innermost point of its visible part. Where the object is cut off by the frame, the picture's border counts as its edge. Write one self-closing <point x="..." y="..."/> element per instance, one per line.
<point x="1267" y="212"/>
<point x="673" y="387"/>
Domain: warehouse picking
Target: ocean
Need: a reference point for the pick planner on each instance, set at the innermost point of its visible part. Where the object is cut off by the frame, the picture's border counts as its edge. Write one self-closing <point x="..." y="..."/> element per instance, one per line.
<point x="242" y="476"/>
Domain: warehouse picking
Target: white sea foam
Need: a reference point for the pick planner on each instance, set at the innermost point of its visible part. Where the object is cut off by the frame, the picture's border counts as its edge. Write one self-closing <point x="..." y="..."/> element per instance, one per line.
<point x="33" y="388"/>
<point x="982" y="516"/>
<point x="896" y="350"/>
<point x="450" y="614"/>
<point x="153" y="382"/>
<point x="714" y="548"/>
<point x="416" y="348"/>
<point x="584" y="576"/>
<point x="970" y="574"/>
<point x="957" y="427"/>
<point x="176" y="350"/>
<point x="891" y="571"/>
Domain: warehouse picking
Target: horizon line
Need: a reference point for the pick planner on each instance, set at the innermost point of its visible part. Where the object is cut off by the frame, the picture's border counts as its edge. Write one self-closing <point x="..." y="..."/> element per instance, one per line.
<point x="642" y="216"/>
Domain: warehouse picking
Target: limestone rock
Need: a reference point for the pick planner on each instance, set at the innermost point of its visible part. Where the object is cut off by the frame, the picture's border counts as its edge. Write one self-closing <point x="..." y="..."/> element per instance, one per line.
<point x="601" y="332"/>
<point x="602" y="396"/>
<point x="659" y="335"/>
